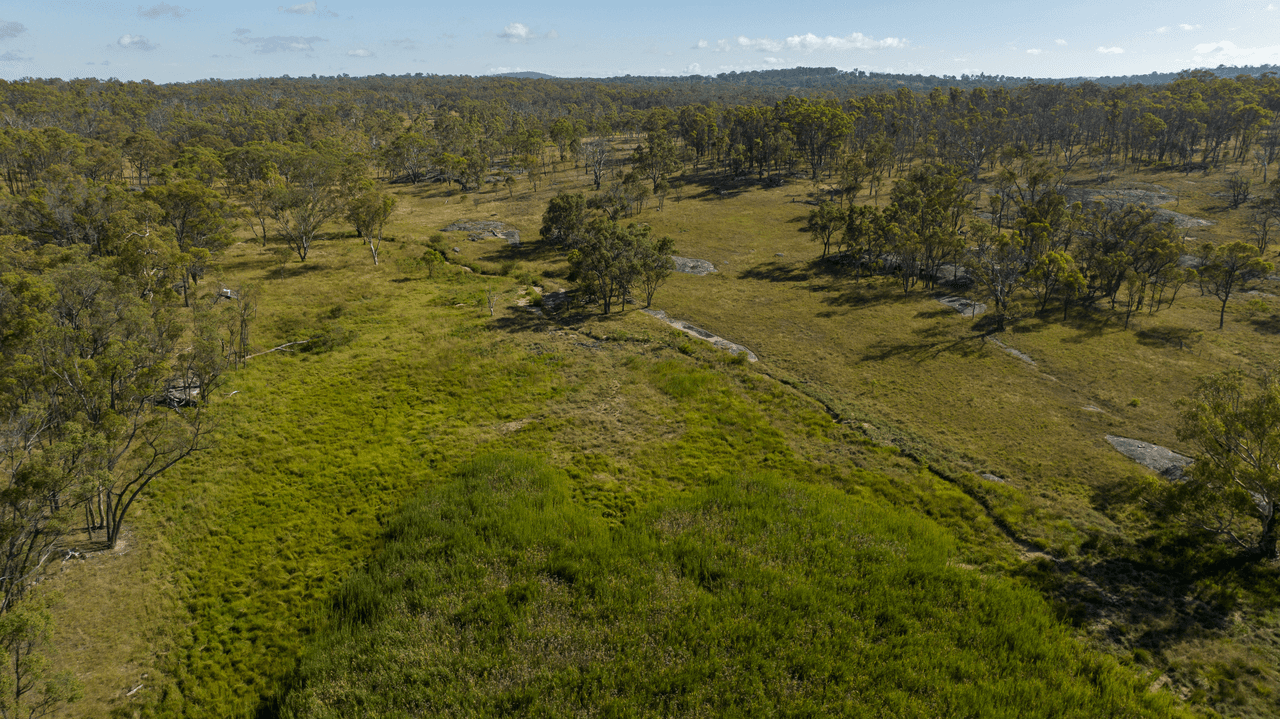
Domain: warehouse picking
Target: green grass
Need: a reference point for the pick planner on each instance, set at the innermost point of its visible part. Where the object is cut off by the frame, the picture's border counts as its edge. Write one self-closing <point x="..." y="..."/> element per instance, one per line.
<point x="496" y="594"/>
<point x="237" y="554"/>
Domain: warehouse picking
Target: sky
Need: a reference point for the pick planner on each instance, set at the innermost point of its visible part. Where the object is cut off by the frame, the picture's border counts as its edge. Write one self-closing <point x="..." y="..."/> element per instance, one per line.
<point x="193" y="39"/>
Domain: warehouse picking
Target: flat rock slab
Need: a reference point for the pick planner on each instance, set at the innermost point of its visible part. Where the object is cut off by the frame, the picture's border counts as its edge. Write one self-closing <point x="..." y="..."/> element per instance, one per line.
<point x="484" y="229"/>
<point x="968" y="308"/>
<point x="1016" y="353"/>
<point x="1161" y="460"/>
<point x="1115" y="199"/>
<point x="685" y="327"/>
<point x="692" y="266"/>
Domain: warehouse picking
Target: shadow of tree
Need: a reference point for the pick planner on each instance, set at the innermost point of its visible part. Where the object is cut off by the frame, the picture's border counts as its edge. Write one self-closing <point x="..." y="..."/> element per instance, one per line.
<point x="1170" y="336"/>
<point x="777" y="271"/>
<point x="1268" y="325"/>
<point x="927" y="343"/>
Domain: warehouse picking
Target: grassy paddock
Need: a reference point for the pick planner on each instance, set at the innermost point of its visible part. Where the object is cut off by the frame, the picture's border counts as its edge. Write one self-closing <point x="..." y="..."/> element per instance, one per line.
<point x="753" y="595"/>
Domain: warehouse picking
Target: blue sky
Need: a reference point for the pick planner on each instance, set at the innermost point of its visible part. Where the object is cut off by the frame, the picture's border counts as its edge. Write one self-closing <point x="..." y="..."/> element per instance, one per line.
<point x="189" y="39"/>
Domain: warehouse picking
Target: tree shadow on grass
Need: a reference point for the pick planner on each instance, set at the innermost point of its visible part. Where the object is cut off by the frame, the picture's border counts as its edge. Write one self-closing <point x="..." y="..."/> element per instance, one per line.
<point x="869" y="295"/>
<point x="1172" y="586"/>
<point x="1187" y="592"/>
<point x="521" y="319"/>
<point x="1266" y="325"/>
<point x="927" y="343"/>
<point x="776" y="271"/>
<point x="1087" y="325"/>
<point x="1170" y="336"/>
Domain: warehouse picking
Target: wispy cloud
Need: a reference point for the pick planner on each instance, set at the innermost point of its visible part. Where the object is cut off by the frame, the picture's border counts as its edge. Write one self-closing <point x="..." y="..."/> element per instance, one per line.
<point x="404" y="43"/>
<point x="281" y="43"/>
<point x="1227" y="52"/>
<point x="1187" y="27"/>
<point x="1111" y="50"/>
<point x="135" y="42"/>
<point x="1034" y="51"/>
<point x="701" y="44"/>
<point x="360" y="52"/>
<point x="1162" y="30"/>
<point x="155" y="12"/>
<point x="241" y="31"/>
<point x="519" y="32"/>
<point x="11" y="56"/>
<point x="1060" y="42"/>
<point x="810" y="43"/>
<point x="306" y="8"/>
<point x="10" y="29"/>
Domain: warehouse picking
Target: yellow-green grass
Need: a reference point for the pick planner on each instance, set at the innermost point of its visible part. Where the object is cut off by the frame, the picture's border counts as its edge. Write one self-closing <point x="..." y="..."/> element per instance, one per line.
<point x="752" y="595"/>
<point x="247" y="541"/>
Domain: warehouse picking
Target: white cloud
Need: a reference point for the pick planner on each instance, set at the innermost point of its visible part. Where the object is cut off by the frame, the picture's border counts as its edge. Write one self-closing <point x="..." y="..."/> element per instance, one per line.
<point x="361" y="52"/>
<point x="693" y="69"/>
<point x="810" y="42"/>
<point x="1228" y="53"/>
<point x="1270" y="7"/>
<point x="11" y="29"/>
<point x="1034" y="51"/>
<point x="280" y="43"/>
<point x="519" y="32"/>
<point x="1185" y="26"/>
<point x="722" y="46"/>
<point x="516" y="32"/>
<point x="1111" y="50"/>
<point x="306" y="8"/>
<point x="135" y="42"/>
<point x="156" y="12"/>
<point x="701" y="45"/>
<point x="1162" y="29"/>
<point x="1061" y="42"/>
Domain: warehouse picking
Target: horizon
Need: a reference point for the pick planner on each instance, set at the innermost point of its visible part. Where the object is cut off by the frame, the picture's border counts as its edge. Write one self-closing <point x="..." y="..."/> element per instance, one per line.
<point x="169" y="43"/>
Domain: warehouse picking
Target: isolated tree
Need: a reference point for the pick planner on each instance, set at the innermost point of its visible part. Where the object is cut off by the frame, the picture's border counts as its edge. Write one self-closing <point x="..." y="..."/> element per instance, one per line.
<point x="657" y="158"/>
<point x="368" y="211"/>
<point x="653" y="260"/>
<point x="310" y="193"/>
<point x="1228" y="269"/>
<point x="865" y="237"/>
<point x="1239" y="189"/>
<point x="1234" y="483"/>
<point x="825" y="221"/>
<point x="596" y="153"/>
<point x="564" y="223"/>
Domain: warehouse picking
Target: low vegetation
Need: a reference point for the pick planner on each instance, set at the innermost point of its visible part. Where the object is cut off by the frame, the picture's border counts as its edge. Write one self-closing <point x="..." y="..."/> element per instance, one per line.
<point x="346" y="407"/>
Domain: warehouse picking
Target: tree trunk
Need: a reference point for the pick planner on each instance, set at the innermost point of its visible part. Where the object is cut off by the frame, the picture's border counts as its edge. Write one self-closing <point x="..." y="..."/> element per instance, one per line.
<point x="1267" y="541"/>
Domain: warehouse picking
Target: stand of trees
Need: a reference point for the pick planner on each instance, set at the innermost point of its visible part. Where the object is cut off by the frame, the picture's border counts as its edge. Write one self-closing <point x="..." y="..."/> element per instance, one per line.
<point x="608" y="260"/>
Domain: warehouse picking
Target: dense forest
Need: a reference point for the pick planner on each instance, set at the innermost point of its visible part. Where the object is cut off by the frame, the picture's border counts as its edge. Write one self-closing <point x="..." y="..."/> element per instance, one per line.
<point x="121" y="200"/>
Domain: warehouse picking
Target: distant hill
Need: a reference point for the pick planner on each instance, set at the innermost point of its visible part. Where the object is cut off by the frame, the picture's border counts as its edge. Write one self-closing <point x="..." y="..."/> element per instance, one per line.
<point x="526" y="75"/>
<point x="811" y="78"/>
